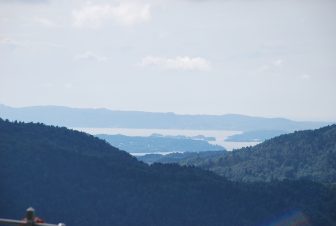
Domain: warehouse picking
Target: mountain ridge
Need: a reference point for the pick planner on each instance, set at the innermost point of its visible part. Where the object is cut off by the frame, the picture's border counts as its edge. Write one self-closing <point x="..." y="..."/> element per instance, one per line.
<point x="103" y="118"/>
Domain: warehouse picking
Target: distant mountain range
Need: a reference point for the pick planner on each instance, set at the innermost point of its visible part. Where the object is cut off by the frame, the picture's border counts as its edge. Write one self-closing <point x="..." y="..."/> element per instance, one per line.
<point x="309" y="154"/>
<point x="104" y="118"/>
<point x="78" y="179"/>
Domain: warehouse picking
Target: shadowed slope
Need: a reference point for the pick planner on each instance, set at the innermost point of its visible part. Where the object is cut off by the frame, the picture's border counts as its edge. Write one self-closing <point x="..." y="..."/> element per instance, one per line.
<point x="81" y="180"/>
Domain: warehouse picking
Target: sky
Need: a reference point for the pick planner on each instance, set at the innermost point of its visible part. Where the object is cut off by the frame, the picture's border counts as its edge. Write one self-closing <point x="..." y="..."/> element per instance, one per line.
<point x="271" y="58"/>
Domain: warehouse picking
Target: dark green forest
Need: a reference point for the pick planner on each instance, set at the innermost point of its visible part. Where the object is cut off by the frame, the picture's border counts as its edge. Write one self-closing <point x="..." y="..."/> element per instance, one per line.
<point x="184" y="158"/>
<point x="78" y="179"/>
<point x="308" y="154"/>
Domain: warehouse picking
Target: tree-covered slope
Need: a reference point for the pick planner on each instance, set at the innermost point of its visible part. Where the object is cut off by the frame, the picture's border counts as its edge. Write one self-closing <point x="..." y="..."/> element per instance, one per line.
<point x="81" y="180"/>
<point x="180" y="158"/>
<point x="309" y="154"/>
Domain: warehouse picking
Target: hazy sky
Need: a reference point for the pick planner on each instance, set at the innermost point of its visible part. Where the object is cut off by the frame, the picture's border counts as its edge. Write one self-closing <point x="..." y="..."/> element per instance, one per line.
<point x="255" y="57"/>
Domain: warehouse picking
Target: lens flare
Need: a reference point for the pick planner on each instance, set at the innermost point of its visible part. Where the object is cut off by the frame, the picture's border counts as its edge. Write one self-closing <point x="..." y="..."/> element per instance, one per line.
<point x="290" y="218"/>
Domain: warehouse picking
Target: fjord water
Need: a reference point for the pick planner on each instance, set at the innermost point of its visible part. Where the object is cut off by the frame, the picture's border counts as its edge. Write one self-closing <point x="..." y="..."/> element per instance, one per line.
<point x="219" y="135"/>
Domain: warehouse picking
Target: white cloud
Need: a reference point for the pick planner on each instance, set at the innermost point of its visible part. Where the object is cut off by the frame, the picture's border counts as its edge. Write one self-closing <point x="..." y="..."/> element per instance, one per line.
<point x="44" y="22"/>
<point x="278" y="62"/>
<point x="124" y="13"/>
<point x="305" y="76"/>
<point x="271" y="66"/>
<point x="47" y="85"/>
<point x="263" y="68"/>
<point x="9" y="43"/>
<point x="68" y="85"/>
<point x="88" y="55"/>
<point x="6" y="41"/>
<point x="177" y="63"/>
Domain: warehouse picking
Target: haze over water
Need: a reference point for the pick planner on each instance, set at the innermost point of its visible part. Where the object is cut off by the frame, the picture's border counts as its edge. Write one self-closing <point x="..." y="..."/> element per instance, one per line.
<point x="220" y="135"/>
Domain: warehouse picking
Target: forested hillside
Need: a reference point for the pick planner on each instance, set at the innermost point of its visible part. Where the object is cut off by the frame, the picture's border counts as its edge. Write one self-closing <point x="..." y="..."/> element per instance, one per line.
<point x="309" y="154"/>
<point x="76" y="178"/>
<point x="181" y="158"/>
